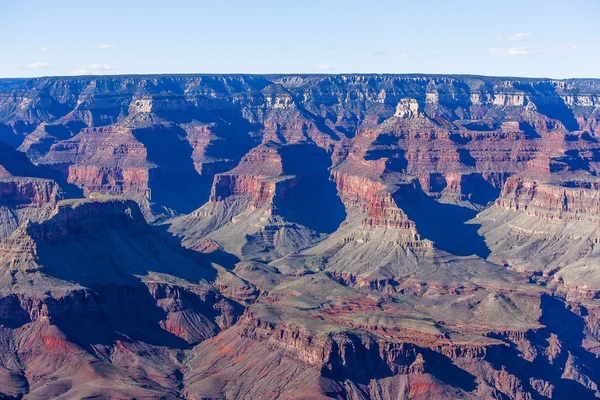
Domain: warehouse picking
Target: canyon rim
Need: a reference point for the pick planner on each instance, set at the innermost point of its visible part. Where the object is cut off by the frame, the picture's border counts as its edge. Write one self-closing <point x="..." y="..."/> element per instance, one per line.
<point x="350" y="236"/>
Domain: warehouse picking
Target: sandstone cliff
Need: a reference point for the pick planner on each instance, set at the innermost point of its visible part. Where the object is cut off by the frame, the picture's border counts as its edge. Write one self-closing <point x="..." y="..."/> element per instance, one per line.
<point x="299" y="236"/>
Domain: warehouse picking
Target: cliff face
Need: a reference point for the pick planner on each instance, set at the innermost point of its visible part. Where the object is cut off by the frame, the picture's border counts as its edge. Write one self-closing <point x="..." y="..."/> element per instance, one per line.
<point x="452" y="133"/>
<point x="92" y="291"/>
<point x="18" y="192"/>
<point x="569" y="200"/>
<point x="336" y="236"/>
<point x="26" y="192"/>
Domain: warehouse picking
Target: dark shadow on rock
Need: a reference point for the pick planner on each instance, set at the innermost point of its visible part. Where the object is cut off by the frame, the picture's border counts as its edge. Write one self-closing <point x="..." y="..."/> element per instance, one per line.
<point x="55" y="132"/>
<point x="510" y="360"/>
<point x="233" y="137"/>
<point x="477" y="126"/>
<point x="125" y="313"/>
<point x="10" y="137"/>
<point x="218" y="256"/>
<point x="466" y="158"/>
<point x="66" y="130"/>
<point x="362" y="362"/>
<point x="588" y="137"/>
<point x="352" y="359"/>
<point x="569" y="328"/>
<point x="558" y="319"/>
<point x="17" y="316"/>
<point x="311" y="199"/>
<point x="559" y="111"/>
<point x="478" y="190"/>
<point x="174" y="182"/>
<point x="437" y="183"/>
<point x="385" y="146"/>
<point x="529" y="130"/>
<point x="444" y="224"/>
<point x="444" y="369"/>
<point x="349" y="133"/>
<point x="585" y="136"/>
<point x="550" y="104"/>
<point x="385" y="139"/>
<point x="574" y="161"/>
<point x="396" y="161"/>
<point x="109" y="260"/>
<point x="459" y="139"/>
<point x="118" y="251"/>
<point x="232" y="142"/>
<point x="320" y="122"/>
<point x="222" y="258"/>
<point x="17" y="164"/>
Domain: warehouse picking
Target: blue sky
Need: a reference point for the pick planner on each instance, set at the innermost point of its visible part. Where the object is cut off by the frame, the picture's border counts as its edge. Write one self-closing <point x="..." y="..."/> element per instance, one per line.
<point x="551" y="38"/>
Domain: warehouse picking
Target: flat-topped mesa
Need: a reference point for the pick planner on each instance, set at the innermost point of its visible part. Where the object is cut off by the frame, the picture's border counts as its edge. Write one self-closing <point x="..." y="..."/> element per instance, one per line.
<point x="577" y="200"/>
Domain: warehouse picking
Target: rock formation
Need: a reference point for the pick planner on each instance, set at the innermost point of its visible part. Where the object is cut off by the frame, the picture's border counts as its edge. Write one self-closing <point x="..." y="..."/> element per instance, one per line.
<point x="299" y="236"/>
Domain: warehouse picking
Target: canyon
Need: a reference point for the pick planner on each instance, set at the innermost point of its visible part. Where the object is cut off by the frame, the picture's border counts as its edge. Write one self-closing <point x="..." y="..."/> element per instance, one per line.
<point x="299" y="237"/>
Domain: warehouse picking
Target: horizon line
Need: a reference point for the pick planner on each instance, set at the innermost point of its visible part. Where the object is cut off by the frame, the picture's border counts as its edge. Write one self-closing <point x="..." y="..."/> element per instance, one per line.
<point x="324" y="74"/>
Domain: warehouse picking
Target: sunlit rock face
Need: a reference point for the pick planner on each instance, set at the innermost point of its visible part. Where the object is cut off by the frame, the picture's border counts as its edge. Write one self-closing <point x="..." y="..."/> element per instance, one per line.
<point x="299" y="236"/>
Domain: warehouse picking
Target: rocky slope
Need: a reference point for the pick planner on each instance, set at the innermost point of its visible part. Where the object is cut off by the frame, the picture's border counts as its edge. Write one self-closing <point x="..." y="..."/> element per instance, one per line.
<point x="299" y="236"/>
<point x="94" y="302"/>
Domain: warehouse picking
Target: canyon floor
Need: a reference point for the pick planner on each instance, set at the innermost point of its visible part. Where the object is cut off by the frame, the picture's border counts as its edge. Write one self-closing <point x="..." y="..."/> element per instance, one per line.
<point x="299" y="237"/>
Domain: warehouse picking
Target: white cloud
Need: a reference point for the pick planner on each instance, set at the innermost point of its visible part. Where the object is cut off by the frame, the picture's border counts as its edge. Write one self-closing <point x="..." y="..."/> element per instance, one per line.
<point x="106" y="46"/>
<point x="39" y="65"/>
<point x="514" y="51"/>
<point x="92" y="69"/>
<point x="515" y="37"/>
<point x="45" y="48"/>
<point x="324" y="67"/>
<point x="392" y="55"/>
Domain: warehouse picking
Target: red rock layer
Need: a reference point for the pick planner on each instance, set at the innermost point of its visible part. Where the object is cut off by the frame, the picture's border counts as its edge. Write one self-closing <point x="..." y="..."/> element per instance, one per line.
<point x="256" y="177"/>
<point x="28" y="191"/>
<point x="374" y="199"/>
<point x="552" y="200"/>
<point x="109" y="180"/>
<point x="107" y="160"/>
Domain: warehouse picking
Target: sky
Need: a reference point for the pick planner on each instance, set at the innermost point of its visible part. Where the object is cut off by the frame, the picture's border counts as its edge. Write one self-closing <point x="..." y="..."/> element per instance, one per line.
<point x="532" y="38"/>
